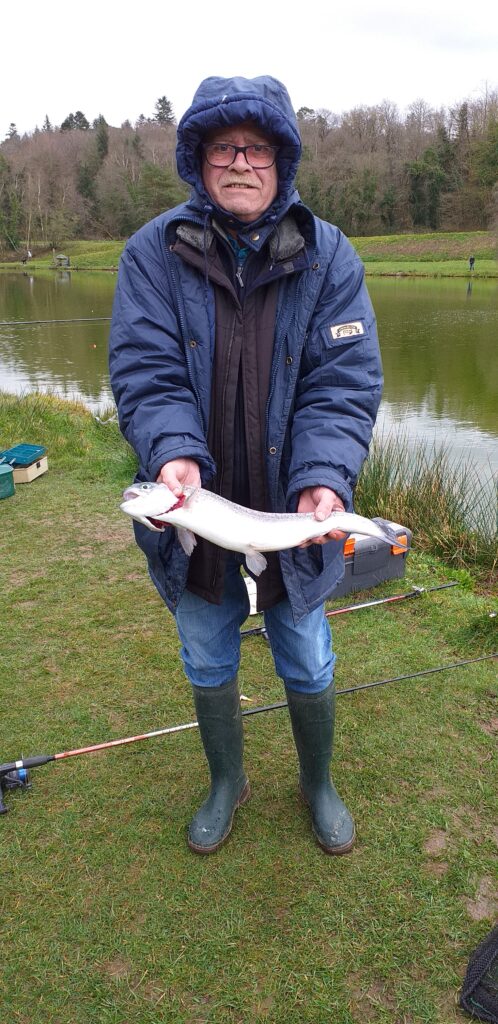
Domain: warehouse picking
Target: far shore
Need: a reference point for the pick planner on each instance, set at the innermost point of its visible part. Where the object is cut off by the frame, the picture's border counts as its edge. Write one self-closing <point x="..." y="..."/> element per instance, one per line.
<point x="431" y="254"/>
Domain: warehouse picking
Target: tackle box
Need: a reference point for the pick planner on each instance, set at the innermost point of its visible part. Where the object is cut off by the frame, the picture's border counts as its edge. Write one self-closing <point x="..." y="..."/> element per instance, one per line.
<point x="27" y="461"/>
<point x="368" y="561"/>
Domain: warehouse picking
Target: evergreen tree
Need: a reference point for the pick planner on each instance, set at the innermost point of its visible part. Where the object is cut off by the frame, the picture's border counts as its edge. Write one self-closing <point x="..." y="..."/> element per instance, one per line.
<point x="68" y="123"/>
<point x="86" y="181"/>
<point x="73" y="121"/>
<point x="158" y="189"/>
<point x="426" y="183"/>
<point x="12" y="133"/>
<point x="10" y="207"/>
<point x="486" y="157"/>
<point x="164" y="111"/>
<point x="101" y="138"/>
<point x="80" y="121"/>
<point x="387" y="207"/>
<point x="47" y="126"/>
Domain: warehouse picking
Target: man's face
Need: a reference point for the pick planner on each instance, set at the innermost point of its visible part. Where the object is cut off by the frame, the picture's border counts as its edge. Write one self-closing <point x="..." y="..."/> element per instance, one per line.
<point x="240" y="189"/>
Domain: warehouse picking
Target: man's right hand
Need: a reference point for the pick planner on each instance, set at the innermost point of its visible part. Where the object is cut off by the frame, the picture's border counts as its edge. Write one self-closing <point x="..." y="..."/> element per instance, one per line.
<point x="179" y="473"/>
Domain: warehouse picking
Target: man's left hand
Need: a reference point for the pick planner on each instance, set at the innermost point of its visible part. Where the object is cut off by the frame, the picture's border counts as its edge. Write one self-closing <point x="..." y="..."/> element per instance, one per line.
<point x="321" y="501"/>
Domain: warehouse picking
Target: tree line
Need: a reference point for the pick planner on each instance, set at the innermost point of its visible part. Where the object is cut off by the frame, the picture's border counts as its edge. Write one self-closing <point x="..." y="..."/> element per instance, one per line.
<point x="371" y="170"/>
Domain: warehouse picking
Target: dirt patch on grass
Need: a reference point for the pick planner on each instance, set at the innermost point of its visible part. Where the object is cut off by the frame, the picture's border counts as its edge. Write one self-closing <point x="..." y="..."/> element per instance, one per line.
<point x="19" y="578"/>
<point x="449" y="1011"/>
<point x="436" y="842"/>
<point x="369" y="1003"/>
<point x="490" y="727"/>
<point x="438" y="868"/>
<point x="368" y="1000"/>
<point x="485" y="903"/>
<point x="466" y="820"/>
<point x="118" y="969"/>
<point x="153" y="991"/>
<point x="436" y="793"/>
<point x="121" y="970"/>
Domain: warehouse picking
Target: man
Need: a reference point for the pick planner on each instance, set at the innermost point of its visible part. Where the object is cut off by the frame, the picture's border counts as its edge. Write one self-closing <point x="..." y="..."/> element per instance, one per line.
<point x="244" y="358"/>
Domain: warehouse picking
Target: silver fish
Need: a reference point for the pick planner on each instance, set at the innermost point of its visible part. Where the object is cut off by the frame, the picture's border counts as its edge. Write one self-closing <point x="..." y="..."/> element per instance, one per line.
<point x="236" y="528"/>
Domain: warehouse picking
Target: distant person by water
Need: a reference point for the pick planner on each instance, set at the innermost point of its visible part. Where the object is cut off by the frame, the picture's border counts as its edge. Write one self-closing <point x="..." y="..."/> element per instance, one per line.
<point x="472" y="260"/>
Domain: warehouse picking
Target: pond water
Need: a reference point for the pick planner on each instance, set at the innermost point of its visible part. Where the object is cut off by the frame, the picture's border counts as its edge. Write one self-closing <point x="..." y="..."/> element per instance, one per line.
<point x="438" y="338"/>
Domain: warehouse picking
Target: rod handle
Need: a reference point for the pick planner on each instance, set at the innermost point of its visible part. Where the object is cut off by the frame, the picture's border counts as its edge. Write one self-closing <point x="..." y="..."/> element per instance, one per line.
<point x="26" y="762"/>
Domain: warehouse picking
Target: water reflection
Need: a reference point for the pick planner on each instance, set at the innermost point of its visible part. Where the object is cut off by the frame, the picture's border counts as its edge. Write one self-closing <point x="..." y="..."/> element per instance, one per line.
<point x="439" y="350"/>
<point x="464" y="440"/>
<point x="68" y="358"/>
<point x="438" y="342"/>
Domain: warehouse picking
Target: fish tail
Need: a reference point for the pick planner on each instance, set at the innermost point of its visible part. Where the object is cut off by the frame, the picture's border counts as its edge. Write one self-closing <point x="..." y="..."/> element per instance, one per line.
<point x="390" y="536"/>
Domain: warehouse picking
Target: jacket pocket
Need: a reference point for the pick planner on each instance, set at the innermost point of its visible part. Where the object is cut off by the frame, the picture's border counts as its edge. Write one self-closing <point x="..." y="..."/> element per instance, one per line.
<point x="344" y="354"/>
<point x="319" y="569"/>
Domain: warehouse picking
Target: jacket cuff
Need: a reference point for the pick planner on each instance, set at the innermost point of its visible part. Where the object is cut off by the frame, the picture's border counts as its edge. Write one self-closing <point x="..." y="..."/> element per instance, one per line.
<point x="204" y="461"/>
<point x="334" y="481"/>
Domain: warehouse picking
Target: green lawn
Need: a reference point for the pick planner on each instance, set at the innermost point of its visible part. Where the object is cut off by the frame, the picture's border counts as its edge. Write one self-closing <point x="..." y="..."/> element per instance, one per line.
<point x="432" y="245"/>
<point x="106" y="915"/>
<point x="434" y="254"/>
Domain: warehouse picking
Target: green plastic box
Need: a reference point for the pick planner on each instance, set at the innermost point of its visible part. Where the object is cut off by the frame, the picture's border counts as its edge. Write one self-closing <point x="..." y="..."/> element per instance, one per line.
<point x="7" y="488"/>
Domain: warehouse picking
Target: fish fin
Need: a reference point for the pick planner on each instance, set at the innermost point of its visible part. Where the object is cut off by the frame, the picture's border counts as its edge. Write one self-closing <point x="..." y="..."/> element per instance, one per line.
<point x="255" y="561"/>
<point x="389" y="534"/>
<point x="187" y="539"/>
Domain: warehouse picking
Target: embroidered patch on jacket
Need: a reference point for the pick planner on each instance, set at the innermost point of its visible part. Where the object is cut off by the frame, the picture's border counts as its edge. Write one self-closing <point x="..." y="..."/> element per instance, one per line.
<point x="355" y="327"/>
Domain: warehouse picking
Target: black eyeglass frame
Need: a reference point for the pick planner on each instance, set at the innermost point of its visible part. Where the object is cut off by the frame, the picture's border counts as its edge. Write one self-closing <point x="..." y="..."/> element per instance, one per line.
<point x="240" y="149"/>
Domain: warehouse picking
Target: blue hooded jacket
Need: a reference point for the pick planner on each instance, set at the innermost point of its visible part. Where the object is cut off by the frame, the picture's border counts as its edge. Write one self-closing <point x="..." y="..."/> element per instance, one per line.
<point x="326" y="377"/>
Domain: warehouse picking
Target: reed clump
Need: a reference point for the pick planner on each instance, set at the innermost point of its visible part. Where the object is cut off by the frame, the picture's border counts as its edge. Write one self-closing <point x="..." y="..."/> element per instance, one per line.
<point x="444" y="501"/>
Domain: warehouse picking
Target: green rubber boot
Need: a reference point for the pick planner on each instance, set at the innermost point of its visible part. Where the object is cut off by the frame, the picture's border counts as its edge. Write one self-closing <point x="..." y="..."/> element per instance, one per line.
<point x="312" y="719"/>
<point x="220" y="724"/>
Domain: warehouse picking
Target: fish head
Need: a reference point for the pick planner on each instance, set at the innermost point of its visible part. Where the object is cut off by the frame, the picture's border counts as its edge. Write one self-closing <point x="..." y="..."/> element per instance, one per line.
<point x="147" y="500"/>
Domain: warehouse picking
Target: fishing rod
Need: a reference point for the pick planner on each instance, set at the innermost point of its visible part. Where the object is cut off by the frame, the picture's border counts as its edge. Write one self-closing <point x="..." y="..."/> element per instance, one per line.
<point x="15" y="774"/>
<point x="414" y="592"/>
<point x="73" y="320"/>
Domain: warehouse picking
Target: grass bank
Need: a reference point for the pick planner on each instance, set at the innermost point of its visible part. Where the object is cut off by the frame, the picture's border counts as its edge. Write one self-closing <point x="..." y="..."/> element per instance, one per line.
<point x="435" y="254"/>
<point x="452" y="514"/>
<point x="106" y="915"/>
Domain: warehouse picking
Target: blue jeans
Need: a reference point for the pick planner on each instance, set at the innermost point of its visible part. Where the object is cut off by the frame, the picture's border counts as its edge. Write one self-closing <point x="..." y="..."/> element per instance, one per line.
<point x="210" y="637"/>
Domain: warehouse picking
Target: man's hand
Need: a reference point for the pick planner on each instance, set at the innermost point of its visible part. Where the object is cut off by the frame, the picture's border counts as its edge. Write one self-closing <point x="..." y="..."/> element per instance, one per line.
<point x="322" y="501"/>
<point x="179" y="473"/>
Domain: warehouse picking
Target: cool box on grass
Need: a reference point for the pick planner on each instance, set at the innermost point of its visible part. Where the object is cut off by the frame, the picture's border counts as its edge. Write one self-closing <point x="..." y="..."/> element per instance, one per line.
<point x="368" y="561"/>
<point x="27" y="461"/>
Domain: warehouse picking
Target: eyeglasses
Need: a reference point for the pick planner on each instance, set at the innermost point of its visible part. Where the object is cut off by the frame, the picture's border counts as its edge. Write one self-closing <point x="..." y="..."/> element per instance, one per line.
<point x="223" y="154"/>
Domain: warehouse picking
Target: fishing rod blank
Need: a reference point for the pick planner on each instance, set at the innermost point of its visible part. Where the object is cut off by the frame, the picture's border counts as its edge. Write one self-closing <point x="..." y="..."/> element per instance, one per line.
<point x="72" y="320"/>
<point x="15" y="774"/>
<point x="13" y="770"/>
<point x="414" y="592"/>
